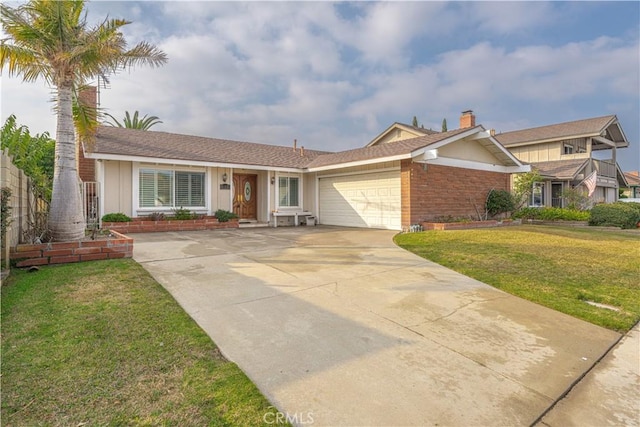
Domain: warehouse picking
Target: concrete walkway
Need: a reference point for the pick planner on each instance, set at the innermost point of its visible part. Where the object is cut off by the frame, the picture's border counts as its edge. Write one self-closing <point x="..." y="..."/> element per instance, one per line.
<point x="341" y="327"/>
<point x="609" y="395"/>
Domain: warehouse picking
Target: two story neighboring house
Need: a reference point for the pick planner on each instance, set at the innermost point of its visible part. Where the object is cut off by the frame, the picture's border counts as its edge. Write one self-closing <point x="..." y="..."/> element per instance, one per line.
<point x="563" y="153"/>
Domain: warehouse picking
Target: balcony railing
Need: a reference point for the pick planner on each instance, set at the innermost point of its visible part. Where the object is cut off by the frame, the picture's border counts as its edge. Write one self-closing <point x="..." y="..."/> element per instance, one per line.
<point x="606" y="168"/>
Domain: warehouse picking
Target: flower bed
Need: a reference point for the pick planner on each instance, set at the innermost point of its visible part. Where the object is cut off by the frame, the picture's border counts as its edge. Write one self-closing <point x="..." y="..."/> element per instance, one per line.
<point x="467" y="225"/>
<point x="142" y="225"/>
<point x="116" y="245"/>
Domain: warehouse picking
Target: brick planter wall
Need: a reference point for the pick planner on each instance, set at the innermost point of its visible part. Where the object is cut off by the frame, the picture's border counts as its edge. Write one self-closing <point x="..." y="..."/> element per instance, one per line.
<point x="148" y="226"/>
<point x="117" y="246"/>
<point x="467" y="225"/>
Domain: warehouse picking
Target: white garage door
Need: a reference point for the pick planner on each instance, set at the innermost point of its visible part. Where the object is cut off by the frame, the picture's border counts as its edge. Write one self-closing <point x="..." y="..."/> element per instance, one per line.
<point x="364" y="200"/>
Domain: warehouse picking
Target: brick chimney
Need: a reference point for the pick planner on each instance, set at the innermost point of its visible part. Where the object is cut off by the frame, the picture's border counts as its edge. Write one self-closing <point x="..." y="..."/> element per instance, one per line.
<point x="467" y="119"/>
<point x="87" y="167"/>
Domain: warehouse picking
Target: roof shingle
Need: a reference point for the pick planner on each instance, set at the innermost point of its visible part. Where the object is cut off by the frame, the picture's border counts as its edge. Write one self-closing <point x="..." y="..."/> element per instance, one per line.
<point x="560" y="130"/>
<point x="171" y="146"/>
<point x="561" y="169"/>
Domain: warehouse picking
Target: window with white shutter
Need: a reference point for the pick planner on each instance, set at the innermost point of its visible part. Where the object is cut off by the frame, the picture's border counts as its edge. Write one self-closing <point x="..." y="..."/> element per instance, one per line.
<point x="168" y="188"/>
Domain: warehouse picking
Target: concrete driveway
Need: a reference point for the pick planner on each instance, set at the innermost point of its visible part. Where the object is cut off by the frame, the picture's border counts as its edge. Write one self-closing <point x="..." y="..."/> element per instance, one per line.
<point x="341" y="327"/>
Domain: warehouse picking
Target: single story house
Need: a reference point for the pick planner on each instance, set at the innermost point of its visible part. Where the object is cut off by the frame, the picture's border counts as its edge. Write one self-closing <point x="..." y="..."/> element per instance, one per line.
<point x="388" y="184"/>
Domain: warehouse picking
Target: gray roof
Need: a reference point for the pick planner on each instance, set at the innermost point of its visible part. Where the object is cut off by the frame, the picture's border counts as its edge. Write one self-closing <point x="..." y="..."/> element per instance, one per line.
<point x="137" y="143"/>
<point x="561" y="169"/>
<point x="592" y="127"/>
<point x="171" y="146"/>
<point x="383" y="150"/>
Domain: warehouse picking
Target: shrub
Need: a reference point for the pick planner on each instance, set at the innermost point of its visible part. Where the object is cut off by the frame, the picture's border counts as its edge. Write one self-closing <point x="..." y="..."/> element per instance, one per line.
<point x="623" y="215"/>
<point x="499" y="201"/>
<point x="552" y="214"/>
<point x="182" y="213"/>
<point x="155" y="216"/>
<point x="115" y="217"/>
<point x="224" y="216"/>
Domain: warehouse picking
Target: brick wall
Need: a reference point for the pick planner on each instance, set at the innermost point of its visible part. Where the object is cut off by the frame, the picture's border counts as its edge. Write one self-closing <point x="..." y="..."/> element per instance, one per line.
<point x="445" y="191"/>
<point x="149" y="226"/>
<point x="116" y="246"/>
<point x="87" y="167"/>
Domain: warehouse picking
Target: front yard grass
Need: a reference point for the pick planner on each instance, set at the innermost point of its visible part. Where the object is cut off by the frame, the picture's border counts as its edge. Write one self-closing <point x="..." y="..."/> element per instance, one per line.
<point x="102" y="343"/>
<point x="559" y="267"/>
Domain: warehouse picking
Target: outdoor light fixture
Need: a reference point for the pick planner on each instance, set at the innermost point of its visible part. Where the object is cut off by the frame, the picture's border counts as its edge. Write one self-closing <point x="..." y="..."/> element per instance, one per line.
<point x="273" y="180"/>
<point x="224" y="177"/>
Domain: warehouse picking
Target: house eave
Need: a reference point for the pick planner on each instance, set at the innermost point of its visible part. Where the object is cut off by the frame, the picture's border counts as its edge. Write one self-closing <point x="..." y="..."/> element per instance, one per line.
<point x="162" y="161"/>
<point x="359" y="163"/>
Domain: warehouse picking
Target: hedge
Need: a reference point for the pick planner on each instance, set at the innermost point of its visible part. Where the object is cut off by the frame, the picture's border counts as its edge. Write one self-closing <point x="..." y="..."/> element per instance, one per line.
<point x="619" y="214"/>
<point x="552" y="214"/>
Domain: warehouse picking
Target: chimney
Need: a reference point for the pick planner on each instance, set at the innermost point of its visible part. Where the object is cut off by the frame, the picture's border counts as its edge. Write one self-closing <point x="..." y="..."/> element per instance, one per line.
<point x="467" y="119"/>
<point x="88" y="96"/>
<point x="492" y="132"/>
<point x="295" y="143"/>
<point x="302" y="151"/>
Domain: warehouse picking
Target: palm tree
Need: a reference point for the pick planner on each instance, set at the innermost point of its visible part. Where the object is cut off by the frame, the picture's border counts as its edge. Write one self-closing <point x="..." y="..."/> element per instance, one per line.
<point x="52" y="40"/>
<point x="134" y="123"/>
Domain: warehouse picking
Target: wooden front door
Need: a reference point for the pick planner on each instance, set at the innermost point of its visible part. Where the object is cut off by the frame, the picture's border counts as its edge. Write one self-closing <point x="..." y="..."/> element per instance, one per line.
<point x="245" y="200"/>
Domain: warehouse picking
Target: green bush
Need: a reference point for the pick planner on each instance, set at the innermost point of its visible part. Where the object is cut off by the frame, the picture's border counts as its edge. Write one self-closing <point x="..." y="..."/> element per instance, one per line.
<point x="182" y="213"/>
<point x="500" y="201"/>
<point x="224" y="216"/>
<point x="115" y="217"/>
<point x="620" y="214"/>
<point x="552" y="214"/>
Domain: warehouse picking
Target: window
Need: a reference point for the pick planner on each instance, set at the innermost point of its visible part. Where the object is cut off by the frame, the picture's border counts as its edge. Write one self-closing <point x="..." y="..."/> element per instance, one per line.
<point x="537" y="194"/>
<point x="288" y="191"/>
<point x="167" y="188"/>
<point x="567" y="148"/>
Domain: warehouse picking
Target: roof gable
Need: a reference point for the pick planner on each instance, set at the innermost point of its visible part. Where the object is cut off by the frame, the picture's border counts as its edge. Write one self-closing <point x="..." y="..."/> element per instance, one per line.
<point x="599" y="126"/>
<point x="407" y="132"/>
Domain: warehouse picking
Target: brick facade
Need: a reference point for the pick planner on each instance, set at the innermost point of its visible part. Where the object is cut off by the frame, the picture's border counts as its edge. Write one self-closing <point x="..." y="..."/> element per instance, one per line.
<point x="87" y="167"/>
<point x="150" y="226"/>
<point x="116" y="246"/>
<point x="445" y="191"/>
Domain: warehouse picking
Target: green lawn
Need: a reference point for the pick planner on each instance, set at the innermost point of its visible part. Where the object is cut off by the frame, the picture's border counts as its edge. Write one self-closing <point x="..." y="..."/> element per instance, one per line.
<point x="102" y="343"/>
<point x="558" y="267"/>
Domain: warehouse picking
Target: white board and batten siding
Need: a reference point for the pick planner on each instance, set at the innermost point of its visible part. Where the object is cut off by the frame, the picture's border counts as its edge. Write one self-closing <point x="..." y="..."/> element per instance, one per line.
<point x="369" y="200"/>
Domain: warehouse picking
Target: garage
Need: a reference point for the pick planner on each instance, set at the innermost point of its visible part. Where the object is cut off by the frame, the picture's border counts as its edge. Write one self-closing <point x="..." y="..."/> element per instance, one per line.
<point x="370" y="200"/>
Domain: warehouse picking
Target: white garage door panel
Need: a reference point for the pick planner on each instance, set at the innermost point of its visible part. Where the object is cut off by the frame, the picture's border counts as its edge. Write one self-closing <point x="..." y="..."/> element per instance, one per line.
<point x="365" y="200"/>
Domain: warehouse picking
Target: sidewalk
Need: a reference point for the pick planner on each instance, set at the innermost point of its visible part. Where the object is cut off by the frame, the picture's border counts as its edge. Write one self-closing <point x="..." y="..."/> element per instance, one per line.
<point x="609" y="395"/>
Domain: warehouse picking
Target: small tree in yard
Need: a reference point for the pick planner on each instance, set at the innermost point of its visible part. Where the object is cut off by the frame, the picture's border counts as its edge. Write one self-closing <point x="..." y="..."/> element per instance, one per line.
<point x="575" y="198"/>
<point x="523" y="187"/>
<point x="53" y="41"/>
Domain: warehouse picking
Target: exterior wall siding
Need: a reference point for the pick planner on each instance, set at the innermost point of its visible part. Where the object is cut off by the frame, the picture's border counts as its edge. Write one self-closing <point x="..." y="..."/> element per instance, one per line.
<point x="445" y="191"/>
<point x="550" y="151"/>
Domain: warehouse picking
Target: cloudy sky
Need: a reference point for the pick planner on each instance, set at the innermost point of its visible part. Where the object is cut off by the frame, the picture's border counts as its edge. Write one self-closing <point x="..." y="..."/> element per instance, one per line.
<point x="334" y="75"/>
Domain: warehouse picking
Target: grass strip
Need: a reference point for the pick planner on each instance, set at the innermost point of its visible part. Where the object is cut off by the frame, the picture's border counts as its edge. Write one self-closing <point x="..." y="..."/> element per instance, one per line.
<point x="103" y="344"/>
<point x="558" y="267"/>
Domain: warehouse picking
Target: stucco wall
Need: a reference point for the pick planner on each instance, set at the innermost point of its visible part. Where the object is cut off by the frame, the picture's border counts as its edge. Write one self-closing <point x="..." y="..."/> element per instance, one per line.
<point x="467" y="150"/>
<point x="116" y="186"/>
<point x="445" y="191"/>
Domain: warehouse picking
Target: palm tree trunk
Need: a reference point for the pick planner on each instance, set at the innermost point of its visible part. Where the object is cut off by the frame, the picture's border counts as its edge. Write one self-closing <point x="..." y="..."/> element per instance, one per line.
<point x="66" y="219"/>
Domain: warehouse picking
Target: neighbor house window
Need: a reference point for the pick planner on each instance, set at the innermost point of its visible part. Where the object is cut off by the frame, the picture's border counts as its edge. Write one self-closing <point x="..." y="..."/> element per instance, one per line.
<point x="173" y="189"/>
<point x="288" y="191"/>
<point x="568" y="148"/>
<point x="537" y="194"/>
